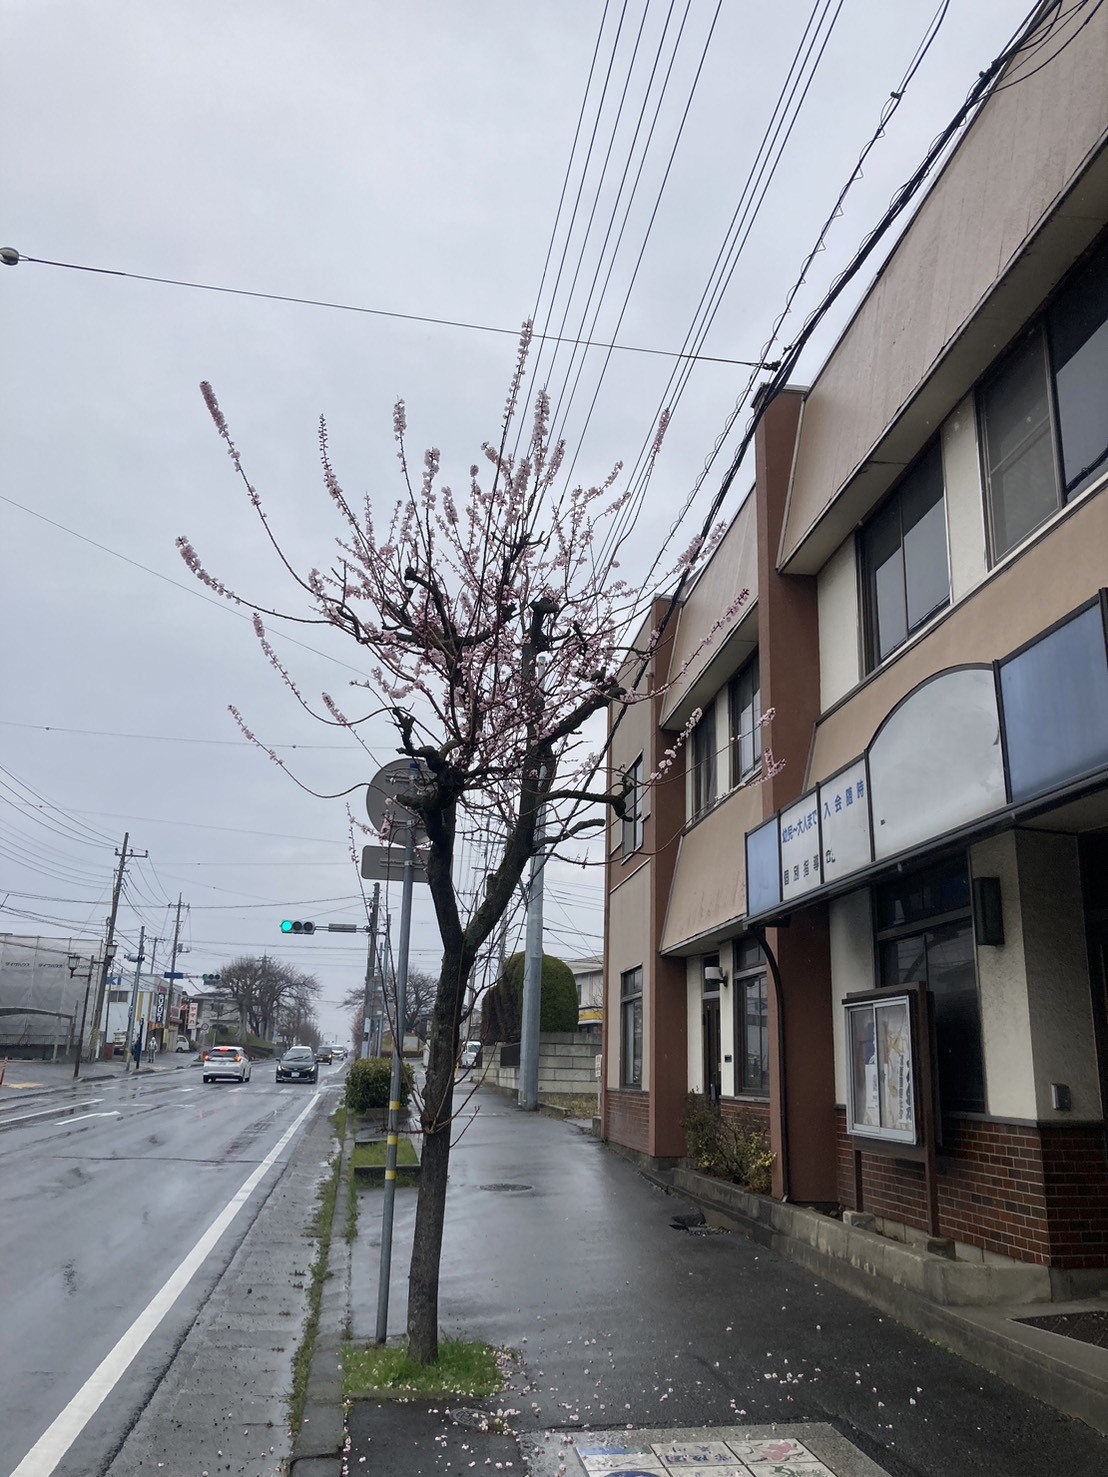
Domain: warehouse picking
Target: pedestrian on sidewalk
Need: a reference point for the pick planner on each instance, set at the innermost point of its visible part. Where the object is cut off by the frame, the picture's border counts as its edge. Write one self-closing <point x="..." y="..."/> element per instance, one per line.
<point x="151" y="1048"/>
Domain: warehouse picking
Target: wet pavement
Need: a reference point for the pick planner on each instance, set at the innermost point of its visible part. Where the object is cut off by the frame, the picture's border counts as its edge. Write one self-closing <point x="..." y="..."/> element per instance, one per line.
<point x="557" y="1248"/>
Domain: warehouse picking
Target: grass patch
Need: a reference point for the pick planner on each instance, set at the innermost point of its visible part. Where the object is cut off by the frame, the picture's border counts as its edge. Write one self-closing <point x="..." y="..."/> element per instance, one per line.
<point x="320" y="1227"/>
<point x="579" y="1105"/>
<point x="372" y="1155"/>
<point x="382" y="1369"/>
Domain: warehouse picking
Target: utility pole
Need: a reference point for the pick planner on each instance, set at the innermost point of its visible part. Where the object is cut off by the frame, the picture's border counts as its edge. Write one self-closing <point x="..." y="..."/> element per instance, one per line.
<point x="132" y="1014"/>
<point x="173" y="964"/>
<point x="532" y="970"/>
<point x="370" y="972"/>
<point x="109" y="946"/>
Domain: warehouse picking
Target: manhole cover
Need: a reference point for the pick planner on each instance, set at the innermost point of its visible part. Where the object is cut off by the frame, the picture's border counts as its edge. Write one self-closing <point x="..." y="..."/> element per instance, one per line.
<point x="509" y="1189"/>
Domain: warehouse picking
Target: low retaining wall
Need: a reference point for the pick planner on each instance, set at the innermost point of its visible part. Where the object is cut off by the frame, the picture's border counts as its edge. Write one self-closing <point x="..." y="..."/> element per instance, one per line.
<point x="567" y="1065"/>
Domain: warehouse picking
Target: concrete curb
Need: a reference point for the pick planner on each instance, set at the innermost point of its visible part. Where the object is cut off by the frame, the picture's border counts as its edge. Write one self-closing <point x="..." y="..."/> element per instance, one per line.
<point x="320" y="1445"/>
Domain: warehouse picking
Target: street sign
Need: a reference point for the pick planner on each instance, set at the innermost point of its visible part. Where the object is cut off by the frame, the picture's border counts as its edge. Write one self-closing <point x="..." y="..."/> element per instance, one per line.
<point x="172" y="975"/>
<point x="386" y="864"/>
<point x="380" y="796"/>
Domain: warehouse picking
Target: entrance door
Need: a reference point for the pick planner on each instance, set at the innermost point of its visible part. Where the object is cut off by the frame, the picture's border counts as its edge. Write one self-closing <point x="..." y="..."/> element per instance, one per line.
<point x="712" y="1069"/>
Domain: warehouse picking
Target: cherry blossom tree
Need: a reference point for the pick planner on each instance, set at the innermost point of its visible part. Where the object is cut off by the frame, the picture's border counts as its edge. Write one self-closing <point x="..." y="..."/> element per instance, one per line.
<point x="491" y="623"/>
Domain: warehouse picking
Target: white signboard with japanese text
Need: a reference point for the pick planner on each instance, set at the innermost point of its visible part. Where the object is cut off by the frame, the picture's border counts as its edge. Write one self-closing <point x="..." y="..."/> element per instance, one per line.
<point x="800" y="849"/>
<point x="844" y="822"/>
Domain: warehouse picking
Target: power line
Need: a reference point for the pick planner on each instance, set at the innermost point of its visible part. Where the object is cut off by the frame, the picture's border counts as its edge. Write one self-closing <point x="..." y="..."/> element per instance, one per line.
<point x="9" y="256"/>
<point x="165" y="738"/>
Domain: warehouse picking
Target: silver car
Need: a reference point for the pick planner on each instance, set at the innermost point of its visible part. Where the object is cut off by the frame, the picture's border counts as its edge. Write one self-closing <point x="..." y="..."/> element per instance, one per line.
<point x="226" y="1061"/>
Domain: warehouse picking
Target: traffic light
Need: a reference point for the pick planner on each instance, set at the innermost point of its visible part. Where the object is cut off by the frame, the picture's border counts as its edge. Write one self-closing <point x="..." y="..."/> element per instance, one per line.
<point x="210" y="979"/>
<point x="289" y="925"/>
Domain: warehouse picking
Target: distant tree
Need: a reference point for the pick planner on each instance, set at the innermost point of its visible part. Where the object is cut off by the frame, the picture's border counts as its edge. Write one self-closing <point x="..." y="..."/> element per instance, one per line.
<point x="492" y="626"/>
<point x="419" y="1001"/>
<point x="265" y="992"/>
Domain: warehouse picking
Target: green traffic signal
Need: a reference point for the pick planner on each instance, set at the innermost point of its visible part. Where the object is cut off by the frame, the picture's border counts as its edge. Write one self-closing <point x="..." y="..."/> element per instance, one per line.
<point x="294" y="925"/>
<point x="287" y="925"/>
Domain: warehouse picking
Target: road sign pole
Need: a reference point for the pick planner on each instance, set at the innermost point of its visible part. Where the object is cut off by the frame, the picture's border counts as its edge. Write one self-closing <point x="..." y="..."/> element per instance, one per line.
<point x="394" y="1095"/>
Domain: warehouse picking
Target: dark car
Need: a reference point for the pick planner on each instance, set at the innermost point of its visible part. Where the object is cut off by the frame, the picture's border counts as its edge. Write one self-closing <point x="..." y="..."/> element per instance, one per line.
<point x="325" y="1054"/>
<point x="298" y="1065"/>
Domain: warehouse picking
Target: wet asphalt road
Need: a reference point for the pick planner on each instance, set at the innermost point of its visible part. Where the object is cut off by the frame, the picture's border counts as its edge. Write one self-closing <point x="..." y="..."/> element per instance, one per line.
<point x="106" y="1188"/>
<point x="556" y="1247"/>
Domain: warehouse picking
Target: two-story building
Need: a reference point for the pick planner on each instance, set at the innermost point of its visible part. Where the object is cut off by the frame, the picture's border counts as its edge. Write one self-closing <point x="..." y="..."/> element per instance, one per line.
<point x="892" y="953"/>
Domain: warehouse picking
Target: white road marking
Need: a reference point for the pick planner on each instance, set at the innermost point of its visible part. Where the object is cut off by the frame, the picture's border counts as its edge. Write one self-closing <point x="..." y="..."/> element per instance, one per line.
<point x="56" y="1440"/>
<point x="110" y="1113"/>
<point x="23" y="1117"/>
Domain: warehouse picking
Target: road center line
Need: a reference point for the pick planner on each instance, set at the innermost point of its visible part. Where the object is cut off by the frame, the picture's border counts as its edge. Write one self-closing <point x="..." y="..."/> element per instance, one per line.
<point x="110" y="1113"/>
<point x="56" y="1440"/>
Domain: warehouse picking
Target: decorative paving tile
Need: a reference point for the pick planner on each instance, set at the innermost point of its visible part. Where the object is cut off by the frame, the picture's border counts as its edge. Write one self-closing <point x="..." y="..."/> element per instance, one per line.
<point x="780" y="1450"/>
<point x="615" y="1461"/>
<point x="695" y="1454"/>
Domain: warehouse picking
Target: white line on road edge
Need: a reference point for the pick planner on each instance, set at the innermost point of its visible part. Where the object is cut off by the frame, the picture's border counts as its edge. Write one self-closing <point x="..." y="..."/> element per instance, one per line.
<point x="68" y="1108"/>
<point x="108" y="1113"/>
<point x="53" y="1444"/>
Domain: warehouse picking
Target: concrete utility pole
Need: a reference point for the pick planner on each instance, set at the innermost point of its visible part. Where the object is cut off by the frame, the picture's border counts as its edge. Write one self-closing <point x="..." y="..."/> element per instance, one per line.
<point x="370" y="972"/>
<point x="132" y="1013"/>
<point x="109" y="947"/>
<point x="532" y="987"/>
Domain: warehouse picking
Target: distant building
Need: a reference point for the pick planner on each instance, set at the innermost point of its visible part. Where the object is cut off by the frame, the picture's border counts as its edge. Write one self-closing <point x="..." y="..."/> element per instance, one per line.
<point x="589" y="975"/>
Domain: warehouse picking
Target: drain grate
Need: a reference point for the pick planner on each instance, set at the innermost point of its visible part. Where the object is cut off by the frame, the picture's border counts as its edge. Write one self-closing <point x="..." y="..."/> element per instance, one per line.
<point x="509" y="1189"/>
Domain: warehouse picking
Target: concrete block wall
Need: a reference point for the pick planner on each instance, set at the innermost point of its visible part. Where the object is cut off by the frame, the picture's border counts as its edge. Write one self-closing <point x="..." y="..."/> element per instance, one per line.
<point x="567" y="1065"/>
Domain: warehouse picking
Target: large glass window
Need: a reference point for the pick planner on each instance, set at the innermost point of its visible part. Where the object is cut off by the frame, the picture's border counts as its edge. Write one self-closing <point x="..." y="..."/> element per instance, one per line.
<point x="630" y="1027"/>
<point x="751" y="1020"/>
<point x="745" y="702"/>
<point x="905" y="567"/>
<point x="633" y="808"/>
<point x="925" y="934"/>
<point x="1044" y="410"/>
<point x="704" y="762"/>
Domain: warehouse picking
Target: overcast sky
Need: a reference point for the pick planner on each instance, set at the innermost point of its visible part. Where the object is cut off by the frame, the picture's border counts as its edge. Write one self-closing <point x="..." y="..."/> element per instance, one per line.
<point x="407" y="158"/>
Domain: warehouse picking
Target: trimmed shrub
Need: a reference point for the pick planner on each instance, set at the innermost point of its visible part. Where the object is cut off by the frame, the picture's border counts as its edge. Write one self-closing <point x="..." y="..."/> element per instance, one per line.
<point x="502" y="1011"/>
<point x="369" y="1081"/>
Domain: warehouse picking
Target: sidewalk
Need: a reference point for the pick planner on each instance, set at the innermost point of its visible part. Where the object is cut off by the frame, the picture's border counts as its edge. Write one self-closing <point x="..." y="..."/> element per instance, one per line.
<point x="644" y="1347"/>
<point x="24" y="1079"/>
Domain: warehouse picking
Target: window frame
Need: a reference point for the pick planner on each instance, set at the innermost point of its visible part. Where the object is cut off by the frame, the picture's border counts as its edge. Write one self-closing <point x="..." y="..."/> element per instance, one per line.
<point x="705" y="783"/>
<point x="631" y="1011"/>
<point x="872" y="656"/>
<point x="1040" y="327"/>
<point x="746" y="975"/>
<point x="633" y="820"/>
<point x="918" y="926"/>
<point x="734" y="714"/>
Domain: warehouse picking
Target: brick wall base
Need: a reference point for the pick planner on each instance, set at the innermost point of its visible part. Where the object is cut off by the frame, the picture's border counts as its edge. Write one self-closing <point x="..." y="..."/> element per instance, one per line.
<point x="1035" y="1193"/>
<point x="627" y="1119"/>
<point x="746" y="1114"/>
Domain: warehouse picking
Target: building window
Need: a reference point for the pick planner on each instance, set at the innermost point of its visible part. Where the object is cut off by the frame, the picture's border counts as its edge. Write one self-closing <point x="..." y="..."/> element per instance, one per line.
<point x="751" y="1020"/>
<point x="925" y="933"/>
<point x="704" y="762"/>
<point x="630" y="1028"/>
<point x="633" y="808"/>
<point x="745" y="701"/>
<point x="905" y="567"/>
<point x="1044" y="410"/>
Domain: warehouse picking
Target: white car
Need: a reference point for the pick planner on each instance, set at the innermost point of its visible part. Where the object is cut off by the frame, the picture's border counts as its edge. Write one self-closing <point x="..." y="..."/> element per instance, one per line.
<point x="470" y="1053"/>
<point x="226" y="1061"/>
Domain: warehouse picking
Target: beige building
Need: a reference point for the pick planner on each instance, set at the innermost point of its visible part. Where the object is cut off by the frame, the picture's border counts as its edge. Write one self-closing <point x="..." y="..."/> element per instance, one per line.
<point x="892" y="952"/>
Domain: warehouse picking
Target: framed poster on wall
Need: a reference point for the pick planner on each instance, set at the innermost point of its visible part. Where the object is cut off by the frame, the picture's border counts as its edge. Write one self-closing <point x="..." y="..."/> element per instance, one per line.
<point x="882" y="1095"/>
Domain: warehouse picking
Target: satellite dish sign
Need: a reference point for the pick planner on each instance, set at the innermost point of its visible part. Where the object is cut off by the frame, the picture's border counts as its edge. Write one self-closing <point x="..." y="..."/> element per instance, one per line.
<point x="384" y="810"/>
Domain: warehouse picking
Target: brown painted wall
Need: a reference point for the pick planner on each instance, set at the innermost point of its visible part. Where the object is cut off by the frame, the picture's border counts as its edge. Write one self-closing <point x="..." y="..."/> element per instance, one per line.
<point x="789" y="672"/>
